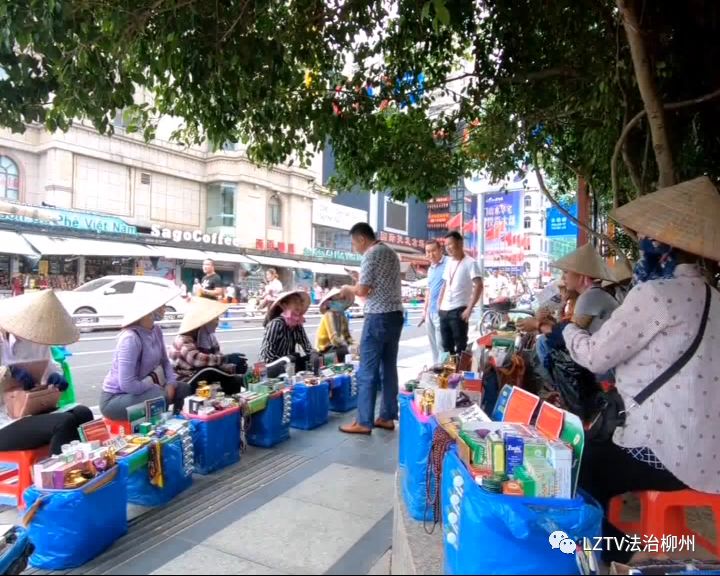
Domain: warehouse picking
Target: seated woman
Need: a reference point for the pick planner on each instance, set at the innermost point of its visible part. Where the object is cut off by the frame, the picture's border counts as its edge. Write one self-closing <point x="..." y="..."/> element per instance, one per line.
<point x="662" y="344"/>
<point x="30" y="324"/>
<point x="195" y="353"/>
<point x="333" y="335"/>
<point x="285" y="335"/>
<point x="140" y="368"/>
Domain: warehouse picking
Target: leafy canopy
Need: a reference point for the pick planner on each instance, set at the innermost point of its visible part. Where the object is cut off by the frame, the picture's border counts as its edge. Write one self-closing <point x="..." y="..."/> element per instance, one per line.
<point x="372" y="77"/>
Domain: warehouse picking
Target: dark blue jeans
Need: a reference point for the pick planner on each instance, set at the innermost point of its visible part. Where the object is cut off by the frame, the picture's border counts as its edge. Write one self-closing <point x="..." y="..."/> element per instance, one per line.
<point x="378" y="363"/>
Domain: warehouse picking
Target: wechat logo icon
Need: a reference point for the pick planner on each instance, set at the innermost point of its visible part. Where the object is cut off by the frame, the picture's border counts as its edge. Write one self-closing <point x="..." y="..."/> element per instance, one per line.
<point x="561" y="541"/>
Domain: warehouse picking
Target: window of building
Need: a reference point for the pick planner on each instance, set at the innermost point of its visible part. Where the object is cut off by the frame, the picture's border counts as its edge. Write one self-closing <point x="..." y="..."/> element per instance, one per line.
<point x="275" y="210"/>
<point x="332" y="238"/>
<point x="221" y="205"/>
<point x="528" y="201"/>
<point x="527" y="222"/>
<point x="9" y="179"/>
<point x="396" y="216"/>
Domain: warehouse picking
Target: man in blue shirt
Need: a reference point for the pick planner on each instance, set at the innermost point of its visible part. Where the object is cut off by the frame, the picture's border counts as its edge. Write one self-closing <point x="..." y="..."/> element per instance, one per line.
<point x="431" y="314"/>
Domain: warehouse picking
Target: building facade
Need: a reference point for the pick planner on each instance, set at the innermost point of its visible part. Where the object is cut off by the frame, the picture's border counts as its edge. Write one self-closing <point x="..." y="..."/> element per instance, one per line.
<point x="123" y="204"/>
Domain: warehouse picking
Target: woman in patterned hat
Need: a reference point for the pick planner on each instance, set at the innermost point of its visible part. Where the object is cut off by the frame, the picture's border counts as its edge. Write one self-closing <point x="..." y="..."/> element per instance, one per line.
<point x="662" y="344"/>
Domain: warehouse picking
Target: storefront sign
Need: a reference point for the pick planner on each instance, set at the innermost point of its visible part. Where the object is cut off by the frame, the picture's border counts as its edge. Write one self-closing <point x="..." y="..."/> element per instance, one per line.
<point x="401" y="240"/>
<point x="438" y="217"/>
<point x="557" y="224"/>
<point x="336" y="215"/>
<point x="77" y="221"/>
<point x="197" y="236"/>
<point x="331" y="254"/>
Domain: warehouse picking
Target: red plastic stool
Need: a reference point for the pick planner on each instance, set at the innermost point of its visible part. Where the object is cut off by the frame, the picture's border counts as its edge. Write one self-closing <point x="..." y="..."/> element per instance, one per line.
<point x="14" y="482"/>
<point x="663" y="514"/>
<point x="118" y="426"/>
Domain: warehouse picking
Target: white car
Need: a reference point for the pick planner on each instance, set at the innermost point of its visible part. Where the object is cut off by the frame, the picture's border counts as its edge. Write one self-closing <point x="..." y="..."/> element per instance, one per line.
<point x="110" y="296"/>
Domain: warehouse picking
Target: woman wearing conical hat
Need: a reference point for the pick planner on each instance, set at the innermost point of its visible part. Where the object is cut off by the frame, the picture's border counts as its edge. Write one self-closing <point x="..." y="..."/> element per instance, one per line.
<point x="29" y="325"/>
<point x="662" y="343"/>
<point x="583" y="272"/>
<point x="195" y="354"/>
<point x="140" y="369"/>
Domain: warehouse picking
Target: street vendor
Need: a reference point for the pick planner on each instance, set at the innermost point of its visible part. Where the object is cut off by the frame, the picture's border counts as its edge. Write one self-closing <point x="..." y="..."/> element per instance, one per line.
<point x="662" y="344"/>
<point x="141" y="369"/>
<point x="195" y="354"/>
<point x="29" y="325"/>
<point x="333" y="334"/>
<point x="284" y="332"/>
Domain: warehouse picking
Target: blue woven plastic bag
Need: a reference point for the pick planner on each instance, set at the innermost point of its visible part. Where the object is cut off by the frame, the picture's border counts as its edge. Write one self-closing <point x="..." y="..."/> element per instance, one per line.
<point x="71" y="527"/>
<point x="486" y="533"/>
<point x="271" y="425"/>
<point x="310" y="406"/>
<point x="415" y="444"/>
<point x="142" y="493"/>
<point x="216" y="441"/>
<point x="344" y="393"/>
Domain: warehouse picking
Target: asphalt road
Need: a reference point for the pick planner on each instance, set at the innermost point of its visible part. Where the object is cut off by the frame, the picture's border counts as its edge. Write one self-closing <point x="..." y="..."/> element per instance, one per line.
<point x="92" y="356"/>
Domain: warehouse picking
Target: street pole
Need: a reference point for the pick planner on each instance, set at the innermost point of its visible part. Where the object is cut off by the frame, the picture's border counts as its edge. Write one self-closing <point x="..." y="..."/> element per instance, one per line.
<point x="481" y="232"/>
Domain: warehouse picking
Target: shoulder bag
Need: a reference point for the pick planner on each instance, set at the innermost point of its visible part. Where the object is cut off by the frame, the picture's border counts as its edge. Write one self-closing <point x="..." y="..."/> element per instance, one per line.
<point x="610" y="410"/>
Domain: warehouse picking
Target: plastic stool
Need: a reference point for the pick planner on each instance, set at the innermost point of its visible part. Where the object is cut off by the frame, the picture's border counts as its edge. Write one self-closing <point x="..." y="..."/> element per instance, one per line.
<point x="14" y="482"/>
<point x="118" y="426"/>
<point x="663" y="514"/>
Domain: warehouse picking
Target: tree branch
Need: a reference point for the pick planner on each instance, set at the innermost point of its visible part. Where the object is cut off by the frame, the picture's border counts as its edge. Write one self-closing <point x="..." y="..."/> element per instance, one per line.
<point x="649" y="94"/>
<point x="634" y="121"/>
<point x="566" y="213"/>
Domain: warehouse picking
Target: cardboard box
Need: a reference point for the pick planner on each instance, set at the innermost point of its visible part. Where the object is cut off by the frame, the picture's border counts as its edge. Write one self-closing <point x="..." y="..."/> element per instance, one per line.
<point x="561" y="458"/>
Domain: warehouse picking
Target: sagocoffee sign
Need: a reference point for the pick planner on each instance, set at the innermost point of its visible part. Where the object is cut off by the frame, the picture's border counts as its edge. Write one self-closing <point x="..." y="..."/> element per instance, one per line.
<point x="196" y="236"/>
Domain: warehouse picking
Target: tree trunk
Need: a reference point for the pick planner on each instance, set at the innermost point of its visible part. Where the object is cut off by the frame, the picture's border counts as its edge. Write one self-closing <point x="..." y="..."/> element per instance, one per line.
<point x="649" y="94"/>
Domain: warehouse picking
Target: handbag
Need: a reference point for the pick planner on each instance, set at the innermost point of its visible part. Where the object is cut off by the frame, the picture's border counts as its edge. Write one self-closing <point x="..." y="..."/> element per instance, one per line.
<point x="19" y="402"/>
<point x="610" y="410"/>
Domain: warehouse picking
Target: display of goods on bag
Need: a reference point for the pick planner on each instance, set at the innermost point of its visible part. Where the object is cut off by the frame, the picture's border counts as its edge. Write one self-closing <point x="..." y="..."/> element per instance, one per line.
<point x="415" y="442"/>
<point x="209" y="399"/>
<point x="491" y="531"/>
<point x="271" y="426"/>
<point x="310" y="404"/>
<point x="216" y="440"/>
<point x="71" y="527"/>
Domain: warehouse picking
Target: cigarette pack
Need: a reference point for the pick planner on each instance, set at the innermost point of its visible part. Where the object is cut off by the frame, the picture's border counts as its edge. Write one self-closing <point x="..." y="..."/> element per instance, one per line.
<point x="561" y="458"/>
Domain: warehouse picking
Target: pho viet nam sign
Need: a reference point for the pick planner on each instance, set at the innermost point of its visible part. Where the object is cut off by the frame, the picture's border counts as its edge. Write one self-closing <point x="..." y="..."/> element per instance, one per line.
<point x="197" y="236"/>
<point x="76" y="221"/>
<point x="332" y="254"/>
<point x="336" y="215"/>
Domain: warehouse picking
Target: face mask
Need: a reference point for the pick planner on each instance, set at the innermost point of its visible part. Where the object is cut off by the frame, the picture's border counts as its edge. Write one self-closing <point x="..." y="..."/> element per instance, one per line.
<point x="293" y="318"/>
<point x="158" y="315"/>
<point x="338" y="306"/>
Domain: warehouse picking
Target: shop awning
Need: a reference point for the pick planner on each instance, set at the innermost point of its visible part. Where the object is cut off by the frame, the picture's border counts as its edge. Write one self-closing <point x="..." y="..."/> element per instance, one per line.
<point x="277" y="262"/>
<point x="58" y="246"/>
<point x="174" y="253"/>
<point x="13" y="243"/>
<point x="325" y="268"/>
<point x="229" y="257"/>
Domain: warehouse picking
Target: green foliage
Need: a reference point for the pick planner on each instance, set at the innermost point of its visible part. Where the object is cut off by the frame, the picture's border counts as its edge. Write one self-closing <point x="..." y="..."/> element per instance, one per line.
<point x="554" y="77"/>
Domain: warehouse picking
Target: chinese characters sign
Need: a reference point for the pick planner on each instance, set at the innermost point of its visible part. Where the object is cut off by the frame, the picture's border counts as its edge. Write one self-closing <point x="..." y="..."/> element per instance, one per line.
<point x="557" y="224"/>
<point x="401" y="240"/>
<point x="505" y="240"/>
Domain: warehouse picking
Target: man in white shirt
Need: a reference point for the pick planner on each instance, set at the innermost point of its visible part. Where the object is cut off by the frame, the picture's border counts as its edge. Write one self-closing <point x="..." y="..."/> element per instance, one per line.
<point x="461" y="292"/>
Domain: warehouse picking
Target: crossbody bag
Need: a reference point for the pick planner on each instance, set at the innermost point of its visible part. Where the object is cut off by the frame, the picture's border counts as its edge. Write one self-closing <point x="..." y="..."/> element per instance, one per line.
<point x="610" y="410"/>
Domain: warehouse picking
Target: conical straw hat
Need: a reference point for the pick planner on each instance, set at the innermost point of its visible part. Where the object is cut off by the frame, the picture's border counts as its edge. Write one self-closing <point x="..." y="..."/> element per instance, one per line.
<point x="586" y="261"/>
<point x="275" y="309"/>
<point x="685" y="216"/>
<point x="200" y="312"/>
<point x="147" y="299"/>
<point x="325" y="302"/>
<point x="38" y="317"/>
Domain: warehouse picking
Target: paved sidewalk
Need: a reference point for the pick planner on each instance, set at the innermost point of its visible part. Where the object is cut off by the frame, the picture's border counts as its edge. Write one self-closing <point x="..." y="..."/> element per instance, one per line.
<point x="320" y="503"/>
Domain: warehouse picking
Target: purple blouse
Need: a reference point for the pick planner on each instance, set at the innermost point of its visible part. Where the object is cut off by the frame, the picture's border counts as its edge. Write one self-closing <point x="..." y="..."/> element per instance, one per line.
<point x="138" y="352"/>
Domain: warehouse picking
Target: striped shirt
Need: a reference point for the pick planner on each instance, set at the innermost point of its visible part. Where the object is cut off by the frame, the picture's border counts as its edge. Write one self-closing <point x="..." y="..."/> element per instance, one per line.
<point x="187" y="359"/>
<point x="281" y="340"/>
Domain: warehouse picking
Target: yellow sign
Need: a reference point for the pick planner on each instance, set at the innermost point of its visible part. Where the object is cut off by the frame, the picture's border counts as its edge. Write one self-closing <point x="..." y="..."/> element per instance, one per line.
<point x="43" y="267"/>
